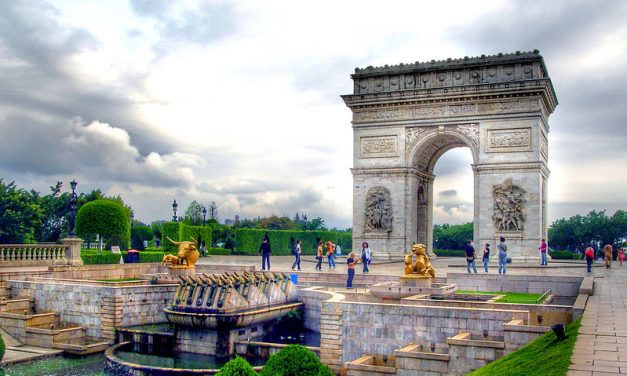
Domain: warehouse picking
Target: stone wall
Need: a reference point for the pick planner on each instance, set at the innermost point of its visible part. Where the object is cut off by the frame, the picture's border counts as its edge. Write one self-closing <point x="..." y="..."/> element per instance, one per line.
<point x="98" y="308"/>
<point x="537" y="284"/>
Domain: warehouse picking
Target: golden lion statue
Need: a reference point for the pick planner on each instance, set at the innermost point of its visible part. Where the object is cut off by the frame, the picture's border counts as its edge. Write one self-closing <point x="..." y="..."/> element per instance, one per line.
<point x="186" y="252"/>
<point x="422" y="266"/>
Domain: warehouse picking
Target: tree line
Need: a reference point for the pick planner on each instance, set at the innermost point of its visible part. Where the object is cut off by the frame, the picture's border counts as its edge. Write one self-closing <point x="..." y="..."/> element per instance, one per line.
<point x="27" y="216"/>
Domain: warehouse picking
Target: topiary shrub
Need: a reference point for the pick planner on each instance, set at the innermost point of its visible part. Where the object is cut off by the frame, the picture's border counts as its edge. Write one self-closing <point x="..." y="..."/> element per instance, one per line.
<point x="2" y="348"/>
<point x="237" y="366"/>
<point x="295" y="360"/>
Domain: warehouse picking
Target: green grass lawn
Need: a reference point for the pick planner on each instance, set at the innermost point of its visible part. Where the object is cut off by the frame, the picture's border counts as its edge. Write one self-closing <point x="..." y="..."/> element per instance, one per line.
<point x="543" y="356"/>
<point x="509" y="297"/>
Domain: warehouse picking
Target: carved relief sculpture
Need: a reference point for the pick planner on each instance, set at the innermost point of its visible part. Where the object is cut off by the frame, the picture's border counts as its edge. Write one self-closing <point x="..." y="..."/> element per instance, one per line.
<point x="381" y="146"/>
<point x="378" y="210"/>
<point x="509" y="205"/>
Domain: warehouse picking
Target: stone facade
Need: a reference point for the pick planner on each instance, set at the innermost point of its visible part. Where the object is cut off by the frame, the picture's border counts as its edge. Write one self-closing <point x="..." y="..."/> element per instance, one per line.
<point x="99" y="309"/>
<point x="405" y="117"/>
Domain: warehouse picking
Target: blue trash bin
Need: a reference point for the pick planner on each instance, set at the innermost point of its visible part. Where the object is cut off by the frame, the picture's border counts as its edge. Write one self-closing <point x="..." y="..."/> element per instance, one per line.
<point x="294" y="278"/>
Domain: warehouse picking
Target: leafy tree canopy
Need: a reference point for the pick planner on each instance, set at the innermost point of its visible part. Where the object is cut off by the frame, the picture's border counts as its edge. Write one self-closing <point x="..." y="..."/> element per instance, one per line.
<point x="20" y="214"/>
<point x="105" y="217"/>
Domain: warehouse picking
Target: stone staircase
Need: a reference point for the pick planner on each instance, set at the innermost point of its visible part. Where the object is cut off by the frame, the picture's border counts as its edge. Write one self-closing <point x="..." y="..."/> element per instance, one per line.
<point x="19" y="319"/>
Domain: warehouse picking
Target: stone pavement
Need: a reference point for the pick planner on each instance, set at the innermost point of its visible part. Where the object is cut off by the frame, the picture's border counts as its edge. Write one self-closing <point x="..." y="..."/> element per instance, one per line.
<point x="601" y="347"/>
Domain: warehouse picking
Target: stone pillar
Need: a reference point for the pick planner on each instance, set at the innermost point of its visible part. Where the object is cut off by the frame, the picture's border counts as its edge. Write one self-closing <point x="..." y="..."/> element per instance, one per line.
<point x="331" y="331"/>
<point x="73" y="251"/>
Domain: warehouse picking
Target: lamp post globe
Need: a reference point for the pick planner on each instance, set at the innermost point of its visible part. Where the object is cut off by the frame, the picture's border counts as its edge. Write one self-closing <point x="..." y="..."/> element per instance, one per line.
<point x="174" y="206"/>
<point x="204" y="216"/>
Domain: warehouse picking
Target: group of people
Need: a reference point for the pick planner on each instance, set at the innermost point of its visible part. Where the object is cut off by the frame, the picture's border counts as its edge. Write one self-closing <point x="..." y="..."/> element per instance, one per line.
<point x="471" y="256"/>
<point x="608" y="256"/>
<point x="328" y="249"/>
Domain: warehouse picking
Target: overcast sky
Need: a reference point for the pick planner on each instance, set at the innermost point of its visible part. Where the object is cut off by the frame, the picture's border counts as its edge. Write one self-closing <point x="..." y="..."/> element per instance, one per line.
<point x="238" y="102"/>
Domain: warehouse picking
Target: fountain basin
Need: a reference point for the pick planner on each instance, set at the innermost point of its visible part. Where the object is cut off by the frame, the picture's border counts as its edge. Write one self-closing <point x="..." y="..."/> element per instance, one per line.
<point x="120" y="359"/>
<point x="232" y="319"/>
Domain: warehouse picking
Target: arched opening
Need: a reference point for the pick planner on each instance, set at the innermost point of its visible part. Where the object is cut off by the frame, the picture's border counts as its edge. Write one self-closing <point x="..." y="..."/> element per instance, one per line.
<point x="453" y="193"/>
<point x="453" y="152"/>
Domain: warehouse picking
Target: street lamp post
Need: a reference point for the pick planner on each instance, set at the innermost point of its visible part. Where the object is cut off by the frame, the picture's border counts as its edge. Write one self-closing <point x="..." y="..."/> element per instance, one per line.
<point x="72" y="212"/>
<point x="174" y="206"/>
<point x="204" y="216"/>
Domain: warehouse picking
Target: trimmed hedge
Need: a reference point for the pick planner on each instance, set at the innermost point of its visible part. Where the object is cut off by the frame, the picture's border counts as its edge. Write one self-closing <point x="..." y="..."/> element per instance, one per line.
<point x="563" y="255"/>
<point x="179" y="231"/>
<point x="218" y="251"/>
<point x="247" y="241"/>
<point x="449" y="252"/>
<point x="2" y="348"/>
<point x="91" y="257"/>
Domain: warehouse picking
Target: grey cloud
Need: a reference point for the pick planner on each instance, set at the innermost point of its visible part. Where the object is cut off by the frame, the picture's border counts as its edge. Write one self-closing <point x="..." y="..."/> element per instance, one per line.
<point x="37" y="79"/>
<point x="448" y="193"/>
<point x="208" y="22"/>
<point x="454" y="162"/>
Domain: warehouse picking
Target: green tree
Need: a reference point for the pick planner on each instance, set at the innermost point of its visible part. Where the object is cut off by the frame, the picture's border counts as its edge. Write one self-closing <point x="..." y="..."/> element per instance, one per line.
<point x="107" y="218"/>
<point x="452" y="236"/>
<point x="193" y="214"/>
<point x="595" y="227"/>
<point x="139" y="233"/>
<point x="20" y="214"/>
<point x="237" y="366"/>
<point x="156" y="228"/>
<point x="277" y="223"/>
<point x="55" y="206"/>
<point x="316" y="224"/>
<point x="295" y="360"/>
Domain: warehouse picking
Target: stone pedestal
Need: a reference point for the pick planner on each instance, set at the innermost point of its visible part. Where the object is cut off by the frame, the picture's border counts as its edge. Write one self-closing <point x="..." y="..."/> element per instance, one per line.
<point x="415" y="280"/>
<point x="73" y="250"/>
<point x="176" y="272"/>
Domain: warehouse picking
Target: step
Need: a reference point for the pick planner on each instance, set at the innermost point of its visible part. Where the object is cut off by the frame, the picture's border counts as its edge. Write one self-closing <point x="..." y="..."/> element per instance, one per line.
<point x="16" y="305"/>
<point x="47" y="337"/>
<point x="84" y="347"/>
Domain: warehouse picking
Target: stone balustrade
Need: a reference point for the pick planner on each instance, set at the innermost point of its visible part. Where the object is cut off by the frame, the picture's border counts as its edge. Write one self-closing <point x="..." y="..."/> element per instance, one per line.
<point x="41" y="254"/>
<point x="27" y="254"/>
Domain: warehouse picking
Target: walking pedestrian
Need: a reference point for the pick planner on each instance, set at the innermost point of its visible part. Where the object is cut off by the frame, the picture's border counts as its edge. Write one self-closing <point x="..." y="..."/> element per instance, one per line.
<point x="351" y="262"/>
<point x="330" y="255"/>
<point x="607" y="251"/>
<point x="296" y="252"/>
<point x="502" y="256"/>
<point x="365" y="256"/>
<point x="621" y="255"/>
<point x="265" y="252"/>
<point x="589" y="257"/>
<point x="543" y="257"/>
<point x="469" y="250"/>
<point x="486" y="256"/>
<point x="203" y="248"/>
<point x="319" y="256"/>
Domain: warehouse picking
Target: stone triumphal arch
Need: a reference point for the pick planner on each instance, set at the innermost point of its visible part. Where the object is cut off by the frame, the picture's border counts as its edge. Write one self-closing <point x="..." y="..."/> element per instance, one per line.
<point x="406" y="116"/>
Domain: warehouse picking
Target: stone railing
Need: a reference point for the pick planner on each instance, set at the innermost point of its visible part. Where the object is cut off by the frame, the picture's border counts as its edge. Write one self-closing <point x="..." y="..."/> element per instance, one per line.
<point x="41" y="254"/>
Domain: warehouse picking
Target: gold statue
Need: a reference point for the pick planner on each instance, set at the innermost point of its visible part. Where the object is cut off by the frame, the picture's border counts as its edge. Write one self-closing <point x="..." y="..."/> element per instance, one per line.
<point x="422" y="266"/>
<point x="186" y="252"/>
<point x="173" y="260"/>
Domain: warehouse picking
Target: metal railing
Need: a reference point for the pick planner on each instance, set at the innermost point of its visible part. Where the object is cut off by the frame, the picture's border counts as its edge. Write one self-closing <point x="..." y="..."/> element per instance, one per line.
<point x="544" y="296"/>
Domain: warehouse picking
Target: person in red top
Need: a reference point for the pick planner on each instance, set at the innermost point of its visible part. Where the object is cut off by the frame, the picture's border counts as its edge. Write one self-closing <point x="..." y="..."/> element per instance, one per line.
<point x="351" y="262"/>
<point x="589" y="257"/>
<point x="543" y="248"/>
<point x="621" y="255"/>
